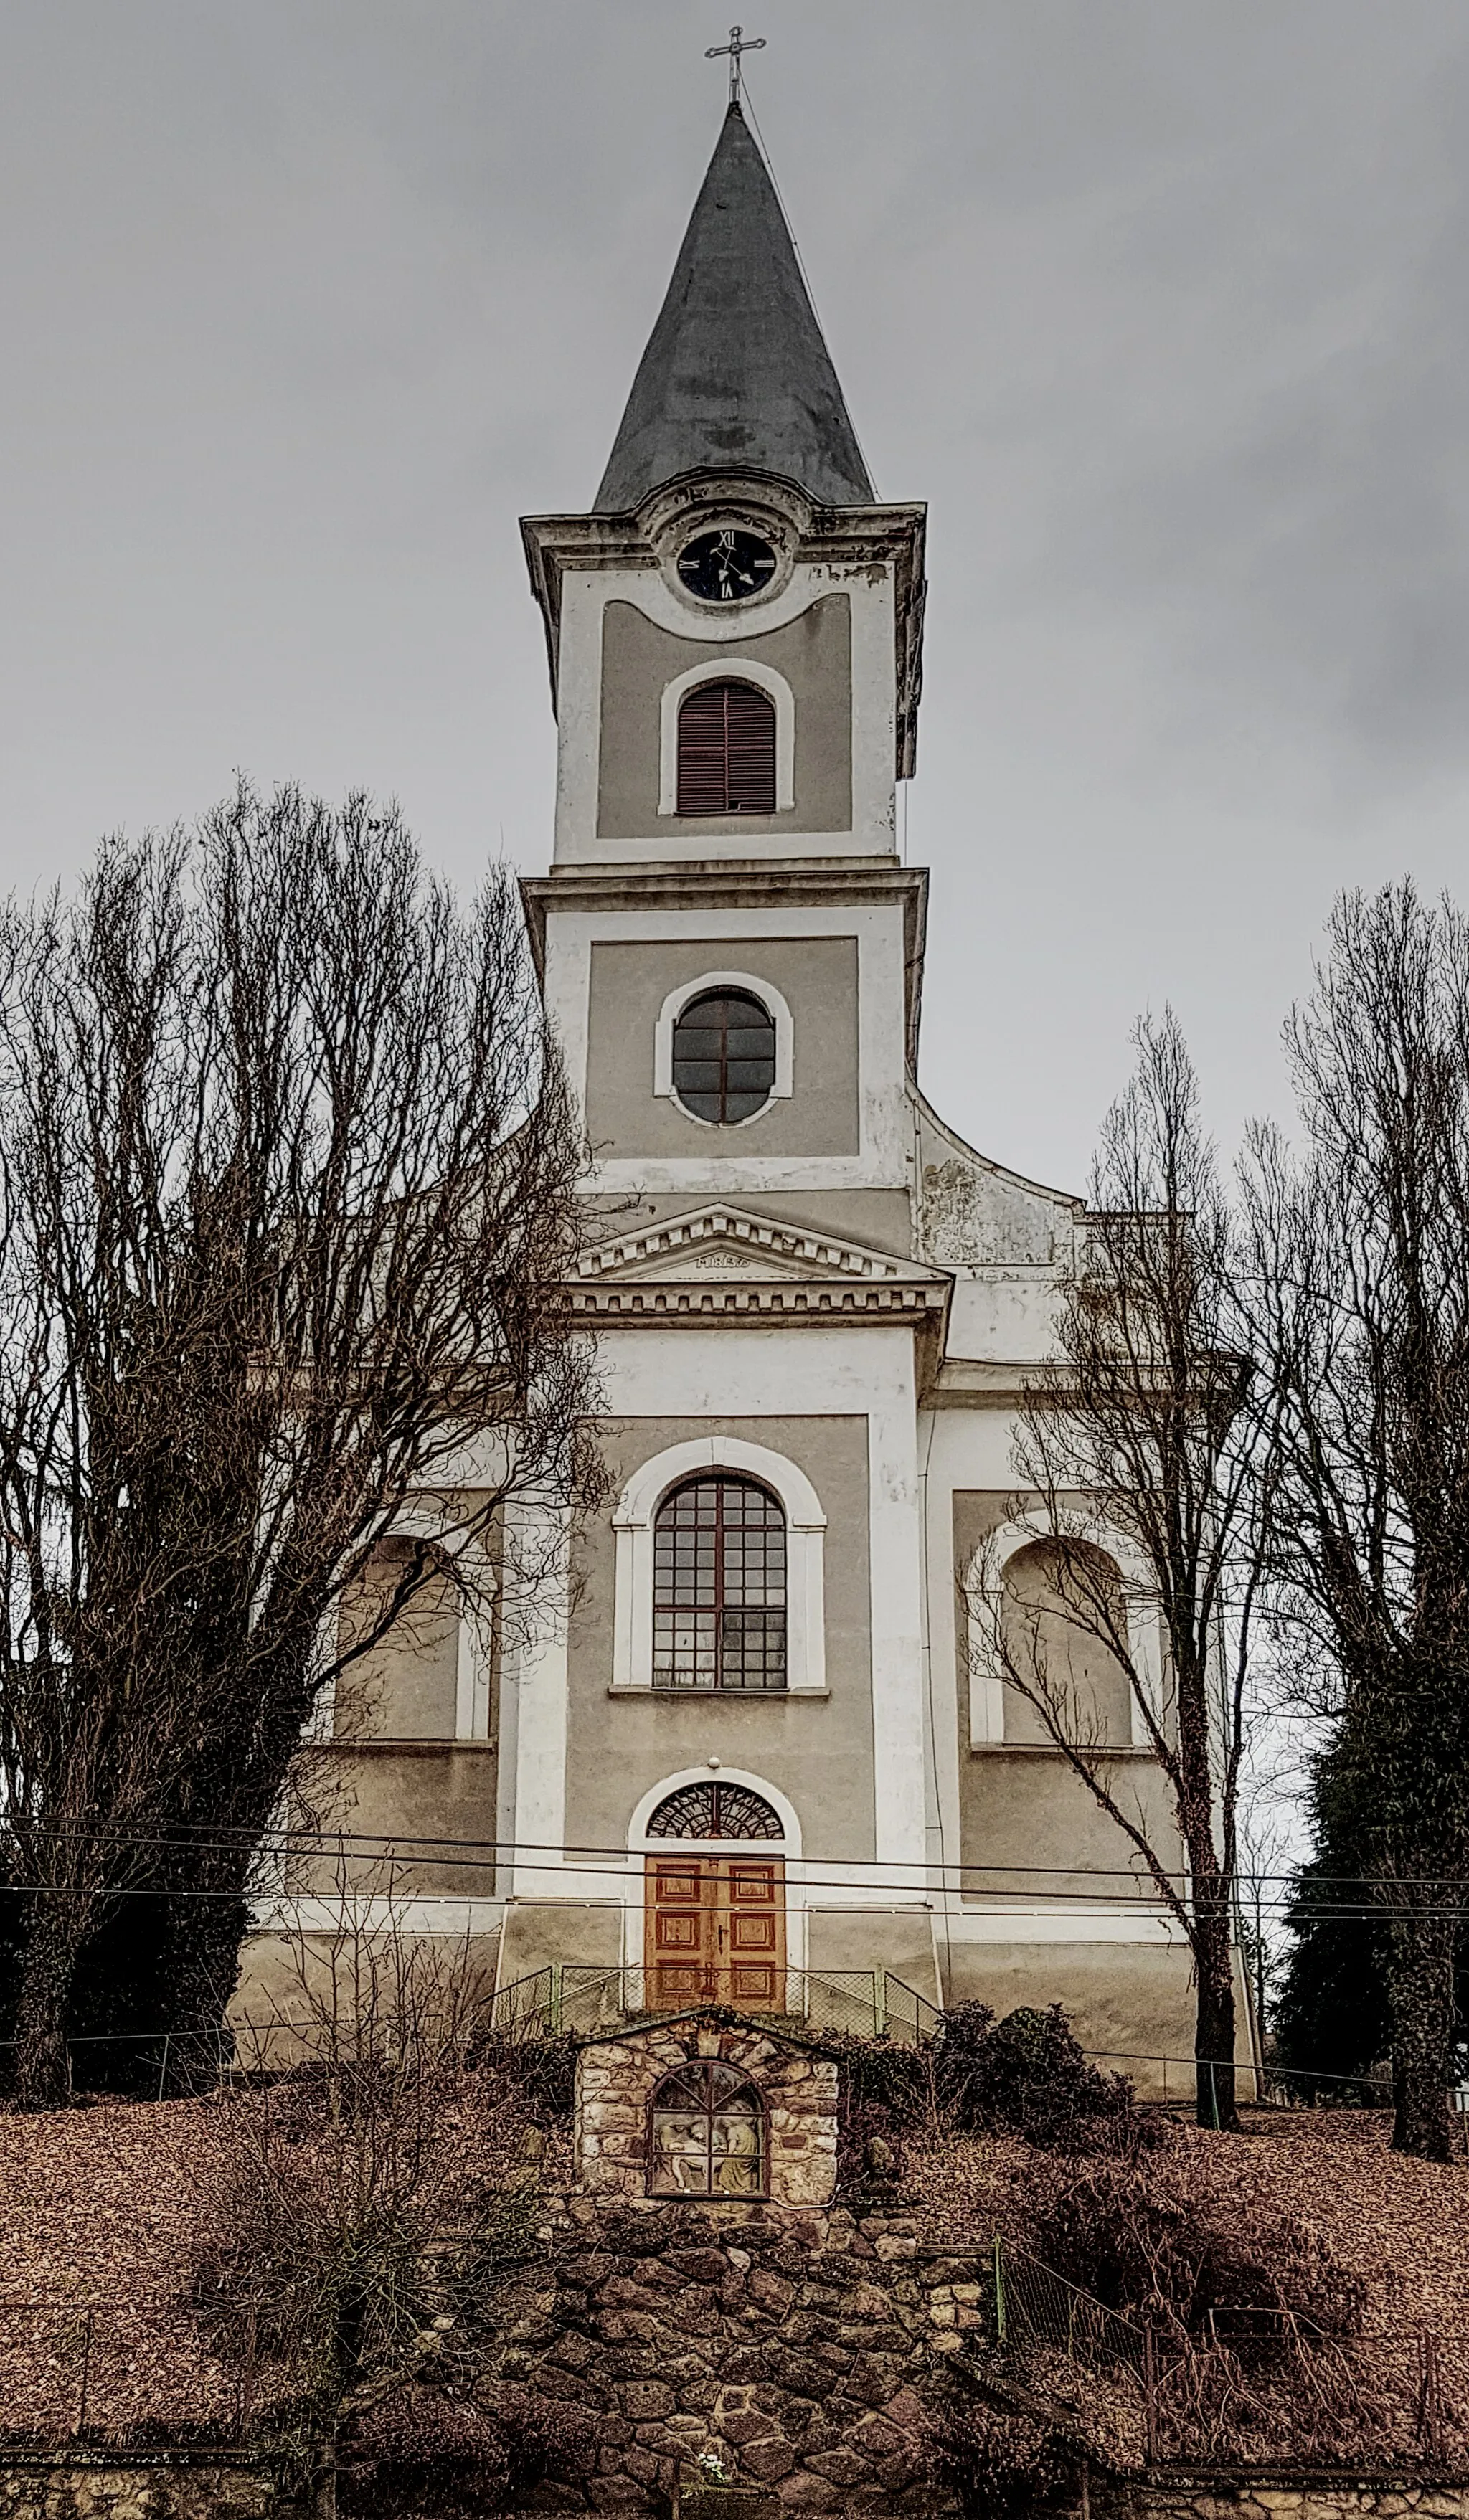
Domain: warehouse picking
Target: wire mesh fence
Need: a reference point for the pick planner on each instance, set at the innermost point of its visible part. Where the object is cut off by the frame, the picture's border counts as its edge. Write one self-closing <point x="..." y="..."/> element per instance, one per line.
<point x="116" y="2371"/>
<point x="583" y="1997"/>
<point x="561" y="1997"/>
<point x="1253" y="2382"/>
<point x="1032" y="2303"/>
<point x="1179" y="2078"/>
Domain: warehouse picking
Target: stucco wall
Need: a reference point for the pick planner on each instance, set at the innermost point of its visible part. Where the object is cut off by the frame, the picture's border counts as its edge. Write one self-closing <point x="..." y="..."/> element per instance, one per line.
<point x="1023" y="1805"/>
<point x="816" y="1750"/>
<point x="1027" y="1809"/>
<point x="1068" y="1666"/>
<point x="813" y="654"/>
<point x="1124" y="1999"/>
<point x="284" y="1990"/>
<point x="816" y="975"/>
<point x="405" y="1689"/>
<point x="977" y="1215"/>
<point x="390" y="1801"/>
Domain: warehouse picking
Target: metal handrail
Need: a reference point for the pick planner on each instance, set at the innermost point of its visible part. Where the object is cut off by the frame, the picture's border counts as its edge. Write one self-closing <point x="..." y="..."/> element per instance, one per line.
<point x="580" y="1994"/>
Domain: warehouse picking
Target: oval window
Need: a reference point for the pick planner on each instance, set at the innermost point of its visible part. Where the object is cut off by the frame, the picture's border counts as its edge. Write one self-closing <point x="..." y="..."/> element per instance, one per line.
<point x="724" y="1055"/>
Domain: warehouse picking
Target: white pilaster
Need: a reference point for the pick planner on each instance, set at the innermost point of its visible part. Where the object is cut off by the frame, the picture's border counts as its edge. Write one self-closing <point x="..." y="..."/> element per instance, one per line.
<point x="535" y="1675"/>
<point x="894" y="1545"/>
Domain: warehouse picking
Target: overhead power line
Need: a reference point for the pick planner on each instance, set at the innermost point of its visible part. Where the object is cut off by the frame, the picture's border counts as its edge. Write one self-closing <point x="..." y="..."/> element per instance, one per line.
<point x="594" y="1864"/>
<point x="294" y="1839"/>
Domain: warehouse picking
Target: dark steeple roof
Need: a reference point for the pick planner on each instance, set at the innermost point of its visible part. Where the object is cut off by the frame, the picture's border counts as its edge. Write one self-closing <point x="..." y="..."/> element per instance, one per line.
<point x="736" y="377"/>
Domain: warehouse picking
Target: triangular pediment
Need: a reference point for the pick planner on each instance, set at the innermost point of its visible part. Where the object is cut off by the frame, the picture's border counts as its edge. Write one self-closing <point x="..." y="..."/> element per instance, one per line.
<point x="734" y="1245"/>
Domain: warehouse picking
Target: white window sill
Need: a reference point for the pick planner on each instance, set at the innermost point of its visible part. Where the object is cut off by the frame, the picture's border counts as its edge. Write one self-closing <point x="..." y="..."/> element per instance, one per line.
<point x="413" y="1745"/>
<point x="762" y="1696"/>
<point x="1049" y="1750"/>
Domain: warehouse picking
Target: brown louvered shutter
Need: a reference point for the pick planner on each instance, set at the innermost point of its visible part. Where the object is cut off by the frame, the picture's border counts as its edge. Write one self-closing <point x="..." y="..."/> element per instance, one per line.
<point x="726" y="751"/>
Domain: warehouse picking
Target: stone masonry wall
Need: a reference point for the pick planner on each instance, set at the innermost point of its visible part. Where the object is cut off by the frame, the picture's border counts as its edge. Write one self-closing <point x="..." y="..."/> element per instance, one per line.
<point x="615" y="2079"/>
<point x="1281" y="2495"/>
<point x="802" y="2353"/>
<point x="796" y="2348"/>
<point x="146" y="2486"/>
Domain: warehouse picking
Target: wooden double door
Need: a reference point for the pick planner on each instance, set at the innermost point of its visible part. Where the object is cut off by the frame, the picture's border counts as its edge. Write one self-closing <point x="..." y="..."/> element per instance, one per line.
<point x="714" y="1932"/>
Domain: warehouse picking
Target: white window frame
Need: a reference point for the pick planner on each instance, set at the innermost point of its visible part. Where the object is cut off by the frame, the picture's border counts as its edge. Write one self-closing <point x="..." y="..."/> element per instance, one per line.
<point x="983" y="1589"/>
<point x="775" y="1007"/>
<point x="805" y="1547"/>
<point x="728" y="669"/>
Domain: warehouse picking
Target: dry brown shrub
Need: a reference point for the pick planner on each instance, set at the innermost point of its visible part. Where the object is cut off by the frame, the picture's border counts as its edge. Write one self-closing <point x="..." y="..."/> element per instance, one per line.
<point x="425" y="2451"/>
<point x="1252" y="2318"/>
<point x="380" y="2194"/>
<point x="1001" y="2462"/>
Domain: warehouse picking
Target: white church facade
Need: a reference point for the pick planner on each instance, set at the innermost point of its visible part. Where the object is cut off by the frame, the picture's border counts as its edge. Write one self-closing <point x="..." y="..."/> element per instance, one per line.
<point x="762" y="1741"/>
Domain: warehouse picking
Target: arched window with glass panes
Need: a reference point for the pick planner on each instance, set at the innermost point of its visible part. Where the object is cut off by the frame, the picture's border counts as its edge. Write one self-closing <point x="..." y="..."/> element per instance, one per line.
<point x="719" y="1586"/>
<point x="705" y="2134"/>
<point x="725" y="1057"/>
<point x="726" y="751"/>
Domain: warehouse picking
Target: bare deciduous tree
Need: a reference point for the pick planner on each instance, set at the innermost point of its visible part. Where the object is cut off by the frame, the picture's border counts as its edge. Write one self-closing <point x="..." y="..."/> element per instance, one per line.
<point x="380" y="2170"/>
<point x="1143" y="1459"/>
<point x="288" y="1179"/>
<point x="1360" y="1255"/>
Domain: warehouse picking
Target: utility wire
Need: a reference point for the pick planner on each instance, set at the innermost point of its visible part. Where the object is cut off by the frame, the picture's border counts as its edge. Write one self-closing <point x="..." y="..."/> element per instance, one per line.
<point x="390" y="1856"/>
<point x="381" y="1843"/>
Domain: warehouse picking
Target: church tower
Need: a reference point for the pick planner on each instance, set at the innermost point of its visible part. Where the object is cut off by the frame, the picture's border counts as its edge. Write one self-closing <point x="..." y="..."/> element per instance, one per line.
<point x="759" y="1758"/>
<point x="771" y="1743"/>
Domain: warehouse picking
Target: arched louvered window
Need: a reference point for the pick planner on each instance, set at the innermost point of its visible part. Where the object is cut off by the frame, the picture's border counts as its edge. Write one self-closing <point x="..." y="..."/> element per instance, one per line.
<point x="726" y="751"/>
<point x="724" y="1055"/>
<point x="719" y="1588"/>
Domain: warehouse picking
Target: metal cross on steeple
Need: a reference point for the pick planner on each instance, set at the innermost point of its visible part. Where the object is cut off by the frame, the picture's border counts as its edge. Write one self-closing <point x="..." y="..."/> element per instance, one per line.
<point x="738" y="43"/>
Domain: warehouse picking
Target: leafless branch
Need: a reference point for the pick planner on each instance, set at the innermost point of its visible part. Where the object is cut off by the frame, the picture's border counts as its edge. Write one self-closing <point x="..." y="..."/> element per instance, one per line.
<point x="286" y="1212"/>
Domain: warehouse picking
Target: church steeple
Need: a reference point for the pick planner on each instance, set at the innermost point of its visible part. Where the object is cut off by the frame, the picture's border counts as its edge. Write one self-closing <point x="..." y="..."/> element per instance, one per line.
<point x="736" y="377"/>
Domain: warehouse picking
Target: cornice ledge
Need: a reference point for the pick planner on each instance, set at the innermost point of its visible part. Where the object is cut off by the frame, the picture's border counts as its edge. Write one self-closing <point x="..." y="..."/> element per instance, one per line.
<point x="1001" y="1382"/>
<point x="667" y="1301"/>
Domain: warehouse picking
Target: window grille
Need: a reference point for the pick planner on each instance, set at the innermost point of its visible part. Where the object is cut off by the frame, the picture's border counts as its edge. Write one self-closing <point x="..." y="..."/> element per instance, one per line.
<point x="715" y="1810"/>
<point x="726" y="751"/>
<point x="707" y="2125"/>
<point x="724" y="1055"/>
<point x="719" y="1588"/>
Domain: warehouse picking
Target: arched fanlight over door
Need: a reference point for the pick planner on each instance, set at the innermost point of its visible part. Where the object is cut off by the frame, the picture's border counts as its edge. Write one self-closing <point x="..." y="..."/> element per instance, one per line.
<point x="715" y="1810"/>
<point x="726" y="751"/>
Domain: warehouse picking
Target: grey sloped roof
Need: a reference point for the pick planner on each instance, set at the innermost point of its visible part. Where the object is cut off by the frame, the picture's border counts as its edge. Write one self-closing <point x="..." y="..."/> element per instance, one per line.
<point x="736" y="376"/>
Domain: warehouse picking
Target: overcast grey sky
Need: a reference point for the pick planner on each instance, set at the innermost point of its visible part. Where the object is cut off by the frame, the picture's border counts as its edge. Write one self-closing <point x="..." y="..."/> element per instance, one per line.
<point x="1160" y="304"/>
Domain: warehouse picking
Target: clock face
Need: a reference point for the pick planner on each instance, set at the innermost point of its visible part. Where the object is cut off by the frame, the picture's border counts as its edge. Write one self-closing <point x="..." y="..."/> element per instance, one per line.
<point x="726" y="565"/>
